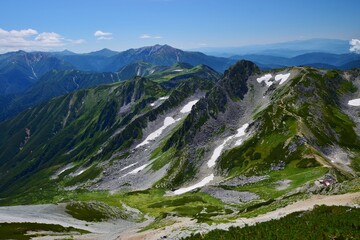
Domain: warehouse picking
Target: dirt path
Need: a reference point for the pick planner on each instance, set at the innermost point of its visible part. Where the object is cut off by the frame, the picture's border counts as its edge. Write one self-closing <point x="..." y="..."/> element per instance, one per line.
<point x="176" y="230"/>
<point x="54" y="214"/>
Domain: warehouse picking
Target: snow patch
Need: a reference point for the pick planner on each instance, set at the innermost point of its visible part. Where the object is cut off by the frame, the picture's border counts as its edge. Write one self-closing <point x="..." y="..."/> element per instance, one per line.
<point x="136" y="170"/>
<point x="178" y="70"/>
<point x="279" y="77"/>
<point x="61" y="170"/>
<point x="128" y="166"/>
<point x="187" y="108"/>
<point x="238" y="142"/>
<point x="160" y="99"/>
<point x="79" y="172"/>
<point x="152" y="136"/>
<point x="354" y="102"/>
<point x="266" y="78"/>
<point x="217" y="152"/>
<point x="241" y="131"/>
<point x="202" y="183"/>
<point x="282" y="77"/>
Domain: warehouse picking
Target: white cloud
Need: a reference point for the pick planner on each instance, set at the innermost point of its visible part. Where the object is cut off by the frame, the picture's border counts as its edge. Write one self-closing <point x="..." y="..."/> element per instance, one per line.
<point x="103" y="35"/>
<point x="78" y="41"/>
<point x="355" y="46"/>
<point x="148" y="36"/>
<point x="31" y="40"/>
<point x="50" y="39"/>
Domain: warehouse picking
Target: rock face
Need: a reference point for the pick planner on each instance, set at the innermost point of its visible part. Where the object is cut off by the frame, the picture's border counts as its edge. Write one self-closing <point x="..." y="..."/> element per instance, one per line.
<point x="298" y="119"/>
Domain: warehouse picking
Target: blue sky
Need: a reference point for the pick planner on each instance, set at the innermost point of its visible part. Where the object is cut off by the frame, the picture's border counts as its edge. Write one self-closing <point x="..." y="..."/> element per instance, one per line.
<point x="186" y="24"/>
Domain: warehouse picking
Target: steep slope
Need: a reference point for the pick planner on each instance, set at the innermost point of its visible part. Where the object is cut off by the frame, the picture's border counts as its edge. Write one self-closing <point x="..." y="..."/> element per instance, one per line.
<point x="52" y="84"/>
<point x="139" y="69"/>
<point x="211" y="150"/>
<point x="80" y="130"/>
<point x="277" y="127"/>
<point x="19" y="70"/>
<point x="57" y="83"/>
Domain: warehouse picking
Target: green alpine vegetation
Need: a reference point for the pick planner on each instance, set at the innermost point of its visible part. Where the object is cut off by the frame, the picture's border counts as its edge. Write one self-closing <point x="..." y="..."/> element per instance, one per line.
<point x="321" y="223"/>
<point x="27" y="231"/>
<point x="182" y="142"/>
<point x="79" y="130"/>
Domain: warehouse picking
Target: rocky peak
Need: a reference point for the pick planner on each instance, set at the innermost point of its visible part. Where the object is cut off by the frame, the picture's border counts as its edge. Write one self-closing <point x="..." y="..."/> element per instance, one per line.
<point x="235" y="78"/>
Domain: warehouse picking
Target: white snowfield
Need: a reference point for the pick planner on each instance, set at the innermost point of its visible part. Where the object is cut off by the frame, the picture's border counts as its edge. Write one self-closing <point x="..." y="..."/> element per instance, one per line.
<point x="136" y="170"/>
<point x="266" y="78"/>
<point x="164" y="98"/>
<point x="202" y="183"/>
<point x="241" y="131"/>
<point x="167" y="122"/>
<point x="63" y="169"/>
<point x="160" y="99"/>
<point x="354" y="102"/>
<point x="129" y="166"/>
<point x="282" y="77"/>
<point x="152" y="136"/>
<point x="279" y="77"/>
<point x="80" y="172"/>
<point x="217" y="152"/>
<point x="187" y="108"/>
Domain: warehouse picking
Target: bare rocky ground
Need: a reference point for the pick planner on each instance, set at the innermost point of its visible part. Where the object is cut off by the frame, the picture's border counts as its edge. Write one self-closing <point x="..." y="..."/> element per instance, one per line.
<point x="123" y="174"/>
<point x="120" y="175"/>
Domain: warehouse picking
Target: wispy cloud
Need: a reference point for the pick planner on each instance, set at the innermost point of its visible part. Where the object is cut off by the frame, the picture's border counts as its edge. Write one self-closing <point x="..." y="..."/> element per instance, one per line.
<point x="148" y="36"/>
<point x="355" y="46"/>
<point x="30" y="40"/>
<point x="100" y="35"/>
<point x="203" y="44"/>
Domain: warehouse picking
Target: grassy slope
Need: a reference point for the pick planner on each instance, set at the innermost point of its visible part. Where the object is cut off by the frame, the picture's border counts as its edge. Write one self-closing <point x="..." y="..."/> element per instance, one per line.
<point x="321" y="223"/>
<point x="20" y="230"/>
<point x="291" y="121"/>
<point x="281" y="124"/>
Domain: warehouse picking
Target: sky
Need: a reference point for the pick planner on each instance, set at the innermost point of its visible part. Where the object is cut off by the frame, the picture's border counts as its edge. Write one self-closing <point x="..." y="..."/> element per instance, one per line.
<point x="89" y="25"/>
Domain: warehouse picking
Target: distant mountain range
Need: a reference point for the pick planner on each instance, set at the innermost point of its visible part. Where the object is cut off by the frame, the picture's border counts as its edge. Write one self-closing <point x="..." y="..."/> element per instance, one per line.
<point x="161" y="55"/>
<point x="284" y="49"/>
<point x="19" y="70"/>
<point x="316" y="59"/>
<point x="60" y="82"/>
<point x="159" y="132"/>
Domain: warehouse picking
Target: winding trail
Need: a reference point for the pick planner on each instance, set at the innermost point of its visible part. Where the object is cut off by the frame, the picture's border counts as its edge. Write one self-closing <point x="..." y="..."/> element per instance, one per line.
<point x="176" y="230"/>
<point x="124" y="230"/>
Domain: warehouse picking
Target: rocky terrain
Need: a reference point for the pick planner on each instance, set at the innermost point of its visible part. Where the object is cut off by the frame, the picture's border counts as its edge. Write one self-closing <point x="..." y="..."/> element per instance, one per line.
<point x="152" y="153"/>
